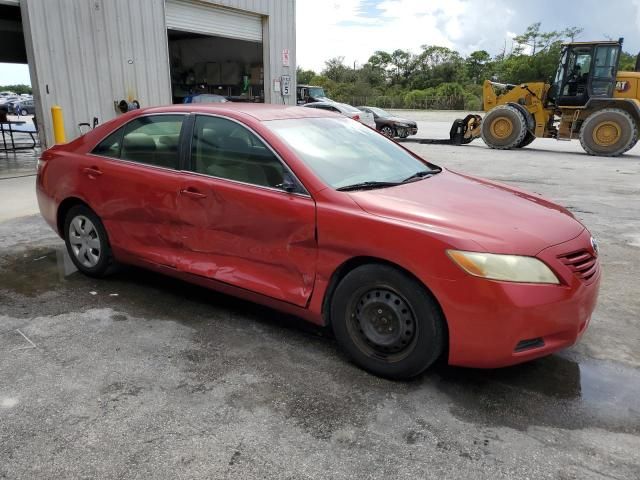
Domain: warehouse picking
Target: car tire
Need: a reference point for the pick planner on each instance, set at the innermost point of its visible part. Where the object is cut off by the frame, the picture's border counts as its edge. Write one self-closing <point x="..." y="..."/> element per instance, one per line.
<point x="387" y="322"/>
<point x="608" y="133"/>
<point x="24" y="113"/>
<point x="503" y="128"/>
<point x="388" y="131"/>
<point x="87" y="241"/>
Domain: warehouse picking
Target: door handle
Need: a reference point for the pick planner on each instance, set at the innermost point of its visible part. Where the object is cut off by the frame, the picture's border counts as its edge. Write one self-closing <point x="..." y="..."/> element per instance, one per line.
<point x="92" y="171"/>
<point x="192" y="193"/>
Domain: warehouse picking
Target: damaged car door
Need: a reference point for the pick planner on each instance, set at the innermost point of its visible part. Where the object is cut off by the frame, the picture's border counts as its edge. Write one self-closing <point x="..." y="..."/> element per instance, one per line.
<point x="246" y="219"/>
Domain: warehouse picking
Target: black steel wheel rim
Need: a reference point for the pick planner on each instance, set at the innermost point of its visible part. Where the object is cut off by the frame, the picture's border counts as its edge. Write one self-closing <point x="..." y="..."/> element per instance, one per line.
<point x="382" y="324"/>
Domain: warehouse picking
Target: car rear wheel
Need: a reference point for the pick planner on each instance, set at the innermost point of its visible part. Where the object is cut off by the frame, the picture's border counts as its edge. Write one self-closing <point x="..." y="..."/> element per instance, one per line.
<point x="388" y="131"/>
<point x="87" y="241"/>
<point x="24" y="112"/>
<point x="386" y="322"/>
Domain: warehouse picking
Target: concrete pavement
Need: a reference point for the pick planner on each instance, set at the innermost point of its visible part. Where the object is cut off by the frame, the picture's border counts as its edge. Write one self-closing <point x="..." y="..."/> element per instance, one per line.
<point x="141" y="376"/>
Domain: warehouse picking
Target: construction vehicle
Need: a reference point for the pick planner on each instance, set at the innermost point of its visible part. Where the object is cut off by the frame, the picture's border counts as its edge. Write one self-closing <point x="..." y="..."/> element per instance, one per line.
<point x="588" y="100"/>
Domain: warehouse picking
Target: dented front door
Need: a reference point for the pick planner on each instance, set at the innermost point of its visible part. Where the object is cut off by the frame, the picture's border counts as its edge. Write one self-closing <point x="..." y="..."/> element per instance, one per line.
<point x="255" y="238"/>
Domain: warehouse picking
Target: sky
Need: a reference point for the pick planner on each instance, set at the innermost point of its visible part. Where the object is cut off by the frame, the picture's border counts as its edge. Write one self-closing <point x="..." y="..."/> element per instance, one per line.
<point x="354" y="29"/>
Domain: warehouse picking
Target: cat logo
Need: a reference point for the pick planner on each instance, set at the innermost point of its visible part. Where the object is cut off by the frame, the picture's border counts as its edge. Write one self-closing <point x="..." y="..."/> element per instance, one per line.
<point x="622" y="86"/>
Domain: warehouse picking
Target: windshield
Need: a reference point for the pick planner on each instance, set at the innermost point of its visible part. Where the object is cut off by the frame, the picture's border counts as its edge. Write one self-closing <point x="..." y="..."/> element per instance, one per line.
<point x="379" y="112"/>
<point x="343" y="152"/>
<point x="316" y="92"/>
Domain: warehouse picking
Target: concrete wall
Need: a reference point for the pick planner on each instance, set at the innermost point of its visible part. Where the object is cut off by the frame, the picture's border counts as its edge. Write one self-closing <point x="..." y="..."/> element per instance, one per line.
<point x="86" y="54"/>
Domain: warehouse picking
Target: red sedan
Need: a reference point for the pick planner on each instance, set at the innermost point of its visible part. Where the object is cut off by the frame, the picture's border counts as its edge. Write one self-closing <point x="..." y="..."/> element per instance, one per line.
<point x="319" y="216"/>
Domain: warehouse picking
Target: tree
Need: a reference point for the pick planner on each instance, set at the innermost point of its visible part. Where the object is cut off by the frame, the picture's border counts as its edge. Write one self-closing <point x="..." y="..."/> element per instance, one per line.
<point x="401" y="64"/>
<point x="436" y="65"/>
<point x="336" y="70"/>
<point x="627" y="62"/>
<point x="537" y="40"/>
<point x="439" y="77"/>
<point x="19" y="89"/>
<point x="476" y="65"/>
<point x="572" y="33"/>
<point x="304" y="76"/>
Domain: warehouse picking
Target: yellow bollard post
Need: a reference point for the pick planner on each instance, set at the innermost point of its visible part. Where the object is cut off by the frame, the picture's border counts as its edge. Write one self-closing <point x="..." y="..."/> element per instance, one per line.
<point x="58" y="124"/>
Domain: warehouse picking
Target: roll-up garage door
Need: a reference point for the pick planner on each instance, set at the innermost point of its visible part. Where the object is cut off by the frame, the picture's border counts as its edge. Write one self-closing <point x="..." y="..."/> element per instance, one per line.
<point x="204" y="18"/>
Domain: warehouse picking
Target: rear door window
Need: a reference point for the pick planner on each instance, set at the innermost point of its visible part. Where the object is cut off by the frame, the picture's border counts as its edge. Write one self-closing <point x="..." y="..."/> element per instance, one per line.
<point x="151" y="140"/>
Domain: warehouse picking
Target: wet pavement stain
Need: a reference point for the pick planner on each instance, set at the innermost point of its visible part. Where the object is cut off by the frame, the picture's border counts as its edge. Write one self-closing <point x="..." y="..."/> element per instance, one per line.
<point x="34" y="272"/>
<point x="556" y="391"/>
<point x="562" y="391"/>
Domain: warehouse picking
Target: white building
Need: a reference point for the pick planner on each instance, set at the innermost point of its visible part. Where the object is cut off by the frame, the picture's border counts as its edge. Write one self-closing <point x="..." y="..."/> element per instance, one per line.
<point x="89" y="55"/>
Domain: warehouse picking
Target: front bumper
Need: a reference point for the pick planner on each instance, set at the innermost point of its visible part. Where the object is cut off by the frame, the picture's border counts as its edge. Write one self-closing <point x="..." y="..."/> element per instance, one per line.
<point x="410" y="130"/>
<point x="496" y="324"/>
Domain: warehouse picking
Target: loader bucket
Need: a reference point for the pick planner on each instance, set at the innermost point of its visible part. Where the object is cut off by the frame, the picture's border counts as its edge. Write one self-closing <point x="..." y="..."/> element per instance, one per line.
<point x="465" y="130"/>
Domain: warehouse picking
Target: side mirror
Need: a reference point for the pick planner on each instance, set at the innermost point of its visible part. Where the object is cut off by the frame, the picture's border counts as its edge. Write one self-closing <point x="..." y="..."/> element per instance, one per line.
<point x="288" y="184"/>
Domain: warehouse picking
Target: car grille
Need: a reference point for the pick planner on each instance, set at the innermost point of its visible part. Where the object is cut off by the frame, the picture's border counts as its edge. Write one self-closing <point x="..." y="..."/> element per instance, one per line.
<point x="582" y="263"/>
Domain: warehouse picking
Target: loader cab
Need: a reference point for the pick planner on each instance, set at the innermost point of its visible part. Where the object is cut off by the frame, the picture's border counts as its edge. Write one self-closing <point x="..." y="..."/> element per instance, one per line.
<point x="586" y="70"/>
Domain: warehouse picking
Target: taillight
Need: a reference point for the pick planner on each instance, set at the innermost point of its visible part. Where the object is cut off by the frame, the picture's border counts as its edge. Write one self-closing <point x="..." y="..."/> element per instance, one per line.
<point x="356" y="117"/>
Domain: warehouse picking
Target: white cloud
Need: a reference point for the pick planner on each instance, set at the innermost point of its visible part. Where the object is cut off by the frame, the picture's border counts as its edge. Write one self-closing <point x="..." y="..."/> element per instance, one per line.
<point x="347" y="29"/>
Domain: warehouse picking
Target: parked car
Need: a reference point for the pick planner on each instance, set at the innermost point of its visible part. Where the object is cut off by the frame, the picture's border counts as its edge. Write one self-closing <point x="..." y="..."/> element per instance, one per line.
<point x="390" y="125"/>
<point x="316" y="215"/>
<point x="310" y="94"/>
<point x="346" y="110"/>
<point x="205" y="98"/>
<point x="24" y="107"/>
<point x="8" y="101"/>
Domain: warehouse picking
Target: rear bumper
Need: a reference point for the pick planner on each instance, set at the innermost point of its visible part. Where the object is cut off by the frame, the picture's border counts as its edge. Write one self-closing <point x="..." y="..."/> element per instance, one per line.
<point x="496" y="324"/>
<point x="48" y="207"/>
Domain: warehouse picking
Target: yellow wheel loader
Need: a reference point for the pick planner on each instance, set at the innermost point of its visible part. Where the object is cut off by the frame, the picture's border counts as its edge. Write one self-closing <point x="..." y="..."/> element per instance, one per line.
<point x="589" y="100"/>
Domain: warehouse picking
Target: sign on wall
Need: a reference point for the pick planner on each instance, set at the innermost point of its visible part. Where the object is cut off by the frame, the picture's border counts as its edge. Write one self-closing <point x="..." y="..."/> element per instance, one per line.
<point x="285" y="57"/>
<point x="285" y="84"/>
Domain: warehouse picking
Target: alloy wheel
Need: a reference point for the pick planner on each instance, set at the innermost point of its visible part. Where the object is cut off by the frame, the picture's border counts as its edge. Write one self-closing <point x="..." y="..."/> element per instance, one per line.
<point x="85" y="241"/>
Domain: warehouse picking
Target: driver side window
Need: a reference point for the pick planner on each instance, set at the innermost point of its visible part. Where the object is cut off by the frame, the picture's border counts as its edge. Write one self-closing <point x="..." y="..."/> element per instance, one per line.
<point x="225" y="149"/>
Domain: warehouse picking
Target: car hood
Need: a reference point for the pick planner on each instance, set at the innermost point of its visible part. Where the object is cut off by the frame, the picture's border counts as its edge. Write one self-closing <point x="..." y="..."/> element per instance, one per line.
<point x="497" y="217"/>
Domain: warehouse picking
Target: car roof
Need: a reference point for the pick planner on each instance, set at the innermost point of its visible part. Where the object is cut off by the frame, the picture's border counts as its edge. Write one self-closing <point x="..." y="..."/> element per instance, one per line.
<point x="259" y="111"/>
<point x="333" y="104"/>
<point x="344" y="106"/>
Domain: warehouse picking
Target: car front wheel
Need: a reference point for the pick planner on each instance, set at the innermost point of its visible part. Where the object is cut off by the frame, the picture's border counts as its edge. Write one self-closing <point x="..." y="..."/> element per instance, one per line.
<point x="87" y="242"/>
<point x="388" y="131"/>
<point x="387" y="322"/>
<point x="24" y="113"/>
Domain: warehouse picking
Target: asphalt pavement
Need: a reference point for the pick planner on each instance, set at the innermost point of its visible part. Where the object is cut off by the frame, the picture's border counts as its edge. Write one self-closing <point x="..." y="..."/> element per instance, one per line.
<point x="142" y="376"/>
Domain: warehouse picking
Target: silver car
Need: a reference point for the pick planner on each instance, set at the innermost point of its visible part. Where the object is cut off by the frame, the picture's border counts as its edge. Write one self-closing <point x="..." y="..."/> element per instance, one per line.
<point x="346" y="110"/>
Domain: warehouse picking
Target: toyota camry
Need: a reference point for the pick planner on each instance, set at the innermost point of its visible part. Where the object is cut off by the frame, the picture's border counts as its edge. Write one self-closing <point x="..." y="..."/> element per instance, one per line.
<point x="318" y="216"/>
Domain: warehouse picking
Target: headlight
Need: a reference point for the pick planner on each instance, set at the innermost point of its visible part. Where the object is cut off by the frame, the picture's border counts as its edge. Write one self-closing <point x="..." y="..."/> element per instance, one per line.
<point x="510" y="268"/>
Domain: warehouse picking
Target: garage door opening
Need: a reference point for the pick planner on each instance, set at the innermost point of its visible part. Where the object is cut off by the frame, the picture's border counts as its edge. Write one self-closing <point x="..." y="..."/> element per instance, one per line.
<point x="214" y="67"/>
<point x="17" y="107"/>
